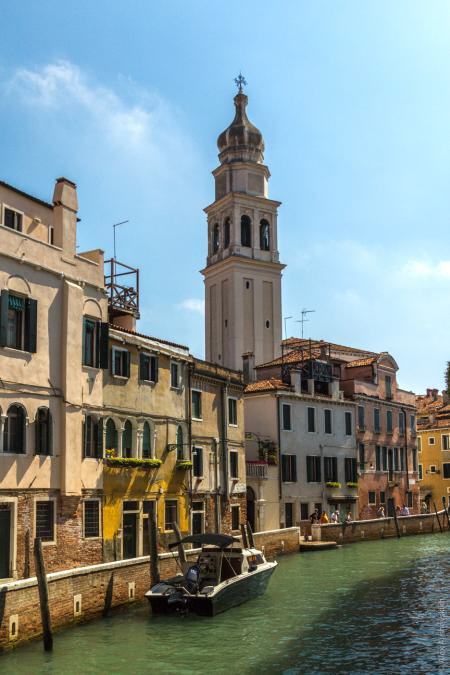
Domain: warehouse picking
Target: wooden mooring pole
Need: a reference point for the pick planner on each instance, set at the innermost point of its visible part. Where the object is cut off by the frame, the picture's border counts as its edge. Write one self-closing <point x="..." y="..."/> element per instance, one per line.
<point x="251" y="540"/>
<point x="181" y="551"/>
<point x="438" y="519"/>
<point x="446" y="511"/>
<point x="244" y="536"/>
<point x="43" y="595"/>
<point x="153" y="547"/>
<point x="391" y="500"/>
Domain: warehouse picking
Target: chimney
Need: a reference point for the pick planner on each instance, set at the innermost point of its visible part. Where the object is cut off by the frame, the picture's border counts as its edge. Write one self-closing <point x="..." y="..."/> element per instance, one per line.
<point x="445" y="397"/>
<point x="296" y="380"/>
<point x="333" y="389"/>
<point x="65" y="207"/>
<point x="434" y="393"/>
<point x="248" y="366"/>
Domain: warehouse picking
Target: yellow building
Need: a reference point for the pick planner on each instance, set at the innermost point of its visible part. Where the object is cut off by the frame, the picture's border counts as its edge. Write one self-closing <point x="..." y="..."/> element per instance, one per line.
<point x="433" y="444"/>
<point x="144" y="434"/>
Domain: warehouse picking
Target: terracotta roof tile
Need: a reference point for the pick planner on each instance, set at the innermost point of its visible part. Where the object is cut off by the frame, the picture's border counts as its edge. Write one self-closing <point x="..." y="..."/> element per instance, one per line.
<point x="272" y="384"/>
<point x="304" y="342"/>
<point x="368" y="361"/>
<point x="149" y="337"/>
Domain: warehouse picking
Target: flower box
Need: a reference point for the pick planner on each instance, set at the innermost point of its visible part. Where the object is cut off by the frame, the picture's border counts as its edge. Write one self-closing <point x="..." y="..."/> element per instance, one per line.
<point x="133" y="462"/>
<point x="351" y="484"/>
<point x="183" y="464"/>
<point x="333" y="484"/>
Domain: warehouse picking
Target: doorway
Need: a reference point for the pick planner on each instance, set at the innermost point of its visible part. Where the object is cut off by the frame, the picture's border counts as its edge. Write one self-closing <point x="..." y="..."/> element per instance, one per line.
<point x="5" y="541"/>
<point x="130" y="530"/>
<point x="289" y="514"/>
<point x="251" y="508"/>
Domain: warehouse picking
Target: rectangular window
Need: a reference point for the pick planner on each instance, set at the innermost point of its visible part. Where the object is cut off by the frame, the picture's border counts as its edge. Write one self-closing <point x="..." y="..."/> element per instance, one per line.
<point x="45" y="520"/>
<point x="414" y="459"/>
<point x="431" y="440"/>
<point x="197" y="462"/>
<point x="286" y="414"/>
<point x="174" y="375"/>
<point x="232" y="412"/>
<point x="313" y="469"/>
<point x="412" y="423"/>
<point x="304" y="511"/>
<point x="389" y="421"/>
<point x="409" y="500"/>
<point x="402" y="459"/>
<point x="95" y="343"/>
<point x="170" y="513"/>
<point x="92" y="437"/>
<point x="396" y="460"/>
<point x="445" y="470"/>
<point x="362" y="457"/>
<point x="91" y="520"/>
<point x="419" y="444"/>
<point x="372" y="497"/>
<point x="361" y="418"/>
<point x="196" y="404"/>
<point x="376" y="420"/>
<point x="378" y="458"/>
<point x="311" y="420"/>
<point x="330" y="469"/>
<point x="421" y="472"/>
<point x="388" y="384"/>
<point x="13" y="219"/>
<point x="235" y="517"/>
<point x="351" y="475"/>
<point x="289" y="468"/>
<point x="148" y="368"/>
<point x="348" y="423"/>
<point x="18" y="322"/>
<point x="382" y="497"/>
<point x="445" y="442"/>
<point x="401" y="424"/>
<point x="234" y="464"/>
<point x="120" y="362"/>
<point x="327" y="419"/>
<point x="385" y="461"/>
<point x="148" y="511"/>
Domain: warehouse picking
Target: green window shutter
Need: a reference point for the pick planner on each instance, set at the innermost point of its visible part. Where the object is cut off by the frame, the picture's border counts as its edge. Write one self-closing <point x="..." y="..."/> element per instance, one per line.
<point x="142" y="359"/>
<point x="4" y="300"/>
<point x="294" y="468"/>
<point x="146" y="441"/>
<point x="103" y="356"/>
<point x="154" y="366"/>
<point x="128" y="364"/>
<point x="30" y="325"/>
<point x="49" y="433"/>
<point x="99" y="446"/>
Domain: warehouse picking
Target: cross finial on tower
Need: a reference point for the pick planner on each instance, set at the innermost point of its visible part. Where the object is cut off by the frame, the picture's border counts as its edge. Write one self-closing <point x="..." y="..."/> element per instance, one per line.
<point x="240" y="82"/>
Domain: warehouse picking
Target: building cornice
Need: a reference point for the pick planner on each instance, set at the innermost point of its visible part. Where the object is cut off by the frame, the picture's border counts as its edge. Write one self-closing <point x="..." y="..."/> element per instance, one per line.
<point x="233" y="260"/>
<point x="241" y="197"/>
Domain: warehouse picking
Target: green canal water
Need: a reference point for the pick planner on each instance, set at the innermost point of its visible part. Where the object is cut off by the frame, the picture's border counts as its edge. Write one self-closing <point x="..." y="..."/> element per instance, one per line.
<point x="375" y="607"/>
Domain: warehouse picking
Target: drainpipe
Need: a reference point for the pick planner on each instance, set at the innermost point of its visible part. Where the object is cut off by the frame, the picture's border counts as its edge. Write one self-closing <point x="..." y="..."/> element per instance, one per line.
<point x="280" y="486"/>
<point x="216" y="492"/>
<point x="224" y="441"/>
<point x="406" y="449"/>
<point x="189" y="426"/>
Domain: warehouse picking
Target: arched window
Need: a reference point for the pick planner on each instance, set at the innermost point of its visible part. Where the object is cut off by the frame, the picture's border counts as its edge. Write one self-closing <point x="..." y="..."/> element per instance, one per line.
<point x="127" y="439"/>
<point x="226" y="233"/>
<point x="146" y="441"/>
<point x="216" y="237"/>
<point x="111" y="436"/>
<point x="180" y="440"/>
<point x="264" y="235"/>
<point x="14" y="431"/>
<point x="246" y="231"/>
<point x="43" y="428"/>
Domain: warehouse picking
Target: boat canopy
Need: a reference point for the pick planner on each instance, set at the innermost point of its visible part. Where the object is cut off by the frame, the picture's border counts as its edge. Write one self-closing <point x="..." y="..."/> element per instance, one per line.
<point x="219" y="540"/>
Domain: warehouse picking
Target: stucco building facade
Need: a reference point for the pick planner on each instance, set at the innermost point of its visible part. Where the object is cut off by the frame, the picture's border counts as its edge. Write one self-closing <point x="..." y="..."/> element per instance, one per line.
<point x="433" y="444"/>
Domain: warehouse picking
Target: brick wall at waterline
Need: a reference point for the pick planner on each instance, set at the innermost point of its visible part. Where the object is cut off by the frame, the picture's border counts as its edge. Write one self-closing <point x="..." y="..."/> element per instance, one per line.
<point x="380" y="528"/>
<point x="82" y="593"/>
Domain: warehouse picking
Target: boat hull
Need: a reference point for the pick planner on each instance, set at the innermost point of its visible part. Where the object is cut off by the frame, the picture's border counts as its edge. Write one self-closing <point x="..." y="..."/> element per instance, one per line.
<point x="229" y="594"/>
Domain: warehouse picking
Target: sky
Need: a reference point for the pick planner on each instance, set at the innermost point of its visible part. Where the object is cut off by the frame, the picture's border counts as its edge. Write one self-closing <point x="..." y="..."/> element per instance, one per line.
<point x="353" y="98"/>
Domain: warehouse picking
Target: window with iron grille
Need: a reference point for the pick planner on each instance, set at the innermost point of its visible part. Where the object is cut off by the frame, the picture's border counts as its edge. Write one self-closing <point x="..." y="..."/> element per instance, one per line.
<point x="45" y="520"/>
<point x="91" y="518"/>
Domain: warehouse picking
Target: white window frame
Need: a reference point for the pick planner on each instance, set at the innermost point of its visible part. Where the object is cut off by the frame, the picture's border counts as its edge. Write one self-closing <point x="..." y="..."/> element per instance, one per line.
<point x="93" y="499"/>
<point x="150" y="357"/>
<point x="420" y="471"/>
<point x="447" y="436"/>
<point x="13" y="504"/>
<point x="46" y="498"/>
<point x="51" y="235"/>
<point x="432" y="468"/>
<point x="368" y="498"/>
<point x="198" y="391"/>
<point x="171" y="499"/>
<point x="287" y="405"/>
<point x="442" y="474"/>
<point x="237" y="464"/>
<point x="232" y="424"/>
<point x="12" y="208"/>
<point x="419" y="444"/>
<point x="431" y="440"/>
<point x="178" y="365"/>
<point x="348" y="412"/>
<point x="114" y="350"/>
<point x="194" y="449"/>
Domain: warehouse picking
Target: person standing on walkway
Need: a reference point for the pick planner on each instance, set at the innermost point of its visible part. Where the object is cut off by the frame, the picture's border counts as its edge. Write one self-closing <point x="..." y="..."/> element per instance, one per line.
<point x="381" y="513"/>
<point x="324" y="518"/>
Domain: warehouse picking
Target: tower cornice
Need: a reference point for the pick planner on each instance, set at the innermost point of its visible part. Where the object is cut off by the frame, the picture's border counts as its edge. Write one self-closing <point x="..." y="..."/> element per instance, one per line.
<point x="241" y="198"/>
<point x="233" y="260"/>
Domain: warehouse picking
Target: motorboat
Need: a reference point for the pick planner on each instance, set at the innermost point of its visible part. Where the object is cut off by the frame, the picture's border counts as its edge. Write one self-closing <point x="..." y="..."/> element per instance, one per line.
<point x="225" y="575"/>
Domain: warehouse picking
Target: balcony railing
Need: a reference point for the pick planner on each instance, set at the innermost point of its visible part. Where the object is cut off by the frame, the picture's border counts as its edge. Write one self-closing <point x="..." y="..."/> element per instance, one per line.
<point x="256" y="469"/>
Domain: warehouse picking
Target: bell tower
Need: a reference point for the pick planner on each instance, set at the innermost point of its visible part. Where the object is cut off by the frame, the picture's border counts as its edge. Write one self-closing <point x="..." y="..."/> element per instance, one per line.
<point x="243" y="273"/>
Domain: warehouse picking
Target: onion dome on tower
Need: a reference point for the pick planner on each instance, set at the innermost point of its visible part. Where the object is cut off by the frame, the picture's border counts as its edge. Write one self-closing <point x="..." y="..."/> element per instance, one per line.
<point x="241" y="141"/>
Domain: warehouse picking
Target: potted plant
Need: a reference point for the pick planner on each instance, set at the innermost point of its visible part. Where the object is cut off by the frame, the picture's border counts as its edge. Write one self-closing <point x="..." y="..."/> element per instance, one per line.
<point x="352" y="484"/>
<point x="183" y="464"/>
<point x="133" y="462"/>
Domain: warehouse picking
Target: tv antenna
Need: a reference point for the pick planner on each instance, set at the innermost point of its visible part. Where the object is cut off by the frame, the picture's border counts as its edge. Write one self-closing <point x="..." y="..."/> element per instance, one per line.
<point x="304" y="320"/>
<point x="122" y="222"/>
<point x="286" y="318"/>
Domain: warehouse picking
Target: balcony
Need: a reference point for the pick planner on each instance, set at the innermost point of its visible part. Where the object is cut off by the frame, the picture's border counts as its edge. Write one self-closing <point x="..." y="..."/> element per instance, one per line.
<point x="257" y="469"/>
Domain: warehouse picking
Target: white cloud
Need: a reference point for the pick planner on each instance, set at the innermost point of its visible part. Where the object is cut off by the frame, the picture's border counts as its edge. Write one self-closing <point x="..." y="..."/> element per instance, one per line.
<point x="193" y="305"/>
<point x="425" y="269"/>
